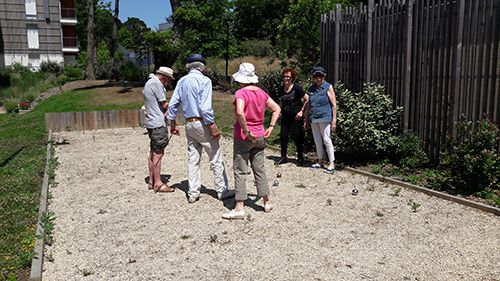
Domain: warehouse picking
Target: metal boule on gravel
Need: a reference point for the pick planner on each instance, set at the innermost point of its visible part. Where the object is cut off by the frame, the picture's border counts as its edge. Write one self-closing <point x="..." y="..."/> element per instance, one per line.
<point x="276" y="183"/>
<point x="355" y="191"/>
<point x="278" y="175"/>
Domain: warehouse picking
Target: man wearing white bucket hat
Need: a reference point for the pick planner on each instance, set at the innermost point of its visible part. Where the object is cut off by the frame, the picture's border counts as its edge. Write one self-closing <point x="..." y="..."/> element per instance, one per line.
<point x="193" y="95"/>
<point x="155" y="103"/>
<point x="249" y="138"/>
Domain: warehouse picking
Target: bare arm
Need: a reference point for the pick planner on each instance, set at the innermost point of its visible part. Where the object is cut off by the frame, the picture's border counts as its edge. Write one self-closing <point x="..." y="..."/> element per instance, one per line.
<point x="306" y="108"/>
<point x="333" y="102"/>
<point x="275" y="108"/>
<point x="301" y="113"/>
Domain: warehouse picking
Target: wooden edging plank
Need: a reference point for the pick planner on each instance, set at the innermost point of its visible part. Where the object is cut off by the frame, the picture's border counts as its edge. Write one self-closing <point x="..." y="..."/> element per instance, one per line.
<point x="37" y="261"/>
<point x="463" y="201"/>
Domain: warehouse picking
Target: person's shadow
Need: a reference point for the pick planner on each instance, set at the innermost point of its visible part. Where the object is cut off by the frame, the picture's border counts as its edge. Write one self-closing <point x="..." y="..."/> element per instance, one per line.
<point x="229" y="203"/>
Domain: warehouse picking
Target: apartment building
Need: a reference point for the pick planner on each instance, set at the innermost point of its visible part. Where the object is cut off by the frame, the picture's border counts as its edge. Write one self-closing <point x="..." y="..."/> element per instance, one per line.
<point x="32" y="31"/>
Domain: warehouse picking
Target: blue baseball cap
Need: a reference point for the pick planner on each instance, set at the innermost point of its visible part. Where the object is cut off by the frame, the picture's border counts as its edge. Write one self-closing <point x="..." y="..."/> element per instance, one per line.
<point x="318" y="70"/>
<point x="196" y="57"/>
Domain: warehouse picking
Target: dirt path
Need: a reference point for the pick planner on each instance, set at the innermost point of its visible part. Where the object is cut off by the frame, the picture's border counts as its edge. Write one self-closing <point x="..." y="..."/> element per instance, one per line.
<point x="110" y="227"/>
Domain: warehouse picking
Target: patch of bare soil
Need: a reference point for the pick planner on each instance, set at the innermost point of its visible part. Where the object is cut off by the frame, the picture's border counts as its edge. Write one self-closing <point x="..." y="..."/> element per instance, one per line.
<point x="110" y="227"/>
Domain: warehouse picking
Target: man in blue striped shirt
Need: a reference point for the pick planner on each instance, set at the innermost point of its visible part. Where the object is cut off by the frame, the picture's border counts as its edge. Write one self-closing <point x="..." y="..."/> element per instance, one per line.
<point x="193" y="95"/>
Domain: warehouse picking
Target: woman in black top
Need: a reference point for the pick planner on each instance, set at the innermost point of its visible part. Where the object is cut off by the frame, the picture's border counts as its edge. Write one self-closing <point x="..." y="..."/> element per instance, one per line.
<point x="292" y="102"/>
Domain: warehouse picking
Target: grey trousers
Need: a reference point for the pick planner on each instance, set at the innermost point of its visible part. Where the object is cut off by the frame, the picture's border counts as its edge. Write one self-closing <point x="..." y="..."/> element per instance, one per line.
<point x="198" y="138"/>
<point x="253" y="151"/>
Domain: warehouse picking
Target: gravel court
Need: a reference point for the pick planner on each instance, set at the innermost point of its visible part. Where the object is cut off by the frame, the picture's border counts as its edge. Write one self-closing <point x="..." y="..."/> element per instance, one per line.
<point x="110" y="227"/>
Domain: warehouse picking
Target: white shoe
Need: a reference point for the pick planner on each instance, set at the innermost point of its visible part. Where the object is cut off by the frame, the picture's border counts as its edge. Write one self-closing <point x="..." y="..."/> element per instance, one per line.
<point x="234" y="215"/>
<point x="193" y="199"/>
<point x="225" y="194"/>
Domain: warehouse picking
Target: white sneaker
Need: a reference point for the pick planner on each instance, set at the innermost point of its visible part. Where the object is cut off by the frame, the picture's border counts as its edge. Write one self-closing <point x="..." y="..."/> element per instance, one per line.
<point x="193" y="199"/>
<point x="225" y="194"/>
<point x="268" y="207"/>
<point x="234" y="215"/>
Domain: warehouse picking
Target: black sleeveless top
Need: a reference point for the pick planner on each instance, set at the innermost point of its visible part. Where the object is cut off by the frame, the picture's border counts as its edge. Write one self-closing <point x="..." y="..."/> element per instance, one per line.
<point x="291" y="102"/>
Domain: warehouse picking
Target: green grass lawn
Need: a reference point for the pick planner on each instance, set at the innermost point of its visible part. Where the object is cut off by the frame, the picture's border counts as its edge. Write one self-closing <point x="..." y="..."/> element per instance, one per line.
<point x="23" y="141"/>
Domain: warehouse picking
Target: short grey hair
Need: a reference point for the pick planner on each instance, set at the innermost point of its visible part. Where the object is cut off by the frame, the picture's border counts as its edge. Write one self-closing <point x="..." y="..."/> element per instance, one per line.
<point x="195" y="65"/>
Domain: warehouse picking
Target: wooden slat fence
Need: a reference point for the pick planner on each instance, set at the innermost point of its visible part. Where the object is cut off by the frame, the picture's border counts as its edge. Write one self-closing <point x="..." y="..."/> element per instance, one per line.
<point x="94" y="120"/>
<point x="439" y="59"/>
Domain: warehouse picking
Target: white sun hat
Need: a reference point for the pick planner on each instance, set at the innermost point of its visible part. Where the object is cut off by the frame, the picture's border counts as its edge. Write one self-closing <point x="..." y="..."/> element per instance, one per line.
<point x="167" y="71"/>
<point x="246" y="74"/>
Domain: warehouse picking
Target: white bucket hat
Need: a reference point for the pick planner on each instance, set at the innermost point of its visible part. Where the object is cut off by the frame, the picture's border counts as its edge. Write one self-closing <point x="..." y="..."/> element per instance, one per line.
<point x="246" y="74"/>
<point x="167" y="71"/>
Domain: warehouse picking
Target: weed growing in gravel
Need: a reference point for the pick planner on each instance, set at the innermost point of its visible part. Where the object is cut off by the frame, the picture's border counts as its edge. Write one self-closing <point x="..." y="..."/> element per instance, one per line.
<point x="213" y="238"/>
<point x="184" y="237"/>
<point x="300" y="185"/>
<point x="85" y="272"/>
<point x="414" y="205"/>
<point x="329" y="202"/>
<point x="49" y="257"/>
<point x="370" y="188"/>
<point x="396" y="192"/>
<point x="379" y="214"/>
<point x="47" y="223"/>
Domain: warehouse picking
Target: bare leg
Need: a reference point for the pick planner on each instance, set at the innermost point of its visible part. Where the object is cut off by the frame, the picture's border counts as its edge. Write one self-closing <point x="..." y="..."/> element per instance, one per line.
<point x="150" y="168"/>
<point x="239" y="205"/>
<point x="156" y="167"/>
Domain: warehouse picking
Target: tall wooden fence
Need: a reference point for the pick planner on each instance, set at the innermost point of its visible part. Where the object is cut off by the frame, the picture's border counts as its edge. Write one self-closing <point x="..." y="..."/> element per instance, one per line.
<point x="439" y="59"/>
<point x="94" y="120"/>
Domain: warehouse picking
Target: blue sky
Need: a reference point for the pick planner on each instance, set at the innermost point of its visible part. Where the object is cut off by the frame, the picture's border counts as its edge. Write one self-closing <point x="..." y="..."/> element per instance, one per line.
<point x="152" y="12"/>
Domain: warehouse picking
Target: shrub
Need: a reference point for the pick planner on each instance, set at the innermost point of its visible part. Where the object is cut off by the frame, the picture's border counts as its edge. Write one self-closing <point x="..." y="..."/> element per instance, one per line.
<point x="366" y="122"/>
<point x="11" y="106"/>
<point x="409" y="153"/>
<point x="258" y="48"/>
<point x="51" y="67"/>
<point x="73" y="73"/>
<point x="271" y="82"/>
<point x="473" y="160"/>
<point x="103" y="59"/>
<point x="219" y="81"/>
<point x="131" y="72"/>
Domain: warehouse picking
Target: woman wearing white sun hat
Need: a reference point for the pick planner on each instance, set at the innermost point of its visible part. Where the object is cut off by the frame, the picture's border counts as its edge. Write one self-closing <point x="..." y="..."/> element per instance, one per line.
<point x="250" y="103"/>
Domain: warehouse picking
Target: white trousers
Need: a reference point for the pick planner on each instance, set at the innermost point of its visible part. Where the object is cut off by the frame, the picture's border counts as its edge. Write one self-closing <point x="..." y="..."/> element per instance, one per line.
<point x="198" y="138"/>
<point x="322" y="135"/>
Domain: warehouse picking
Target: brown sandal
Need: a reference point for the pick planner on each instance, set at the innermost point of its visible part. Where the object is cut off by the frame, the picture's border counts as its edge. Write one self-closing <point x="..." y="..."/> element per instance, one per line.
<point x="164" y="188"/>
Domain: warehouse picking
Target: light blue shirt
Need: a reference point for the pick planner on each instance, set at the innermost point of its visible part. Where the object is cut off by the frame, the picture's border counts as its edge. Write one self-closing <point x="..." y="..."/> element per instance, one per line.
<point x="194" y="94"/>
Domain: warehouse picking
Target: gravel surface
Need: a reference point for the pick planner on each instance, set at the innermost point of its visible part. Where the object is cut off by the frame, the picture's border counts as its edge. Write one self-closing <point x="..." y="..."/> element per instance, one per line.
<point x="108" y="226"/>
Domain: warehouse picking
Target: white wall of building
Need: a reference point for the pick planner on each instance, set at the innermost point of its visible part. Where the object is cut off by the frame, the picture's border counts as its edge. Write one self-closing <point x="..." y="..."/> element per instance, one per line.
<point x="33" y="62"/>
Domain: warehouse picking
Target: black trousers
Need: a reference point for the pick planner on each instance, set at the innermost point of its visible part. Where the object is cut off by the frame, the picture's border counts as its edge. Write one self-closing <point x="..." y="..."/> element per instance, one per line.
<point x="295" y="130"/>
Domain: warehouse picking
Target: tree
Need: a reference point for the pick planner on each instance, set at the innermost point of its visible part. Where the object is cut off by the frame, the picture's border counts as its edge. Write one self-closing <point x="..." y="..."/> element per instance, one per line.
<point x="114" y="33"/>
<point x="202" y="27"/>
<point x="103" y="21"/>
<point x="164" y="46"/>
<point x="266" y="15"/>
<point x="299" y="32"/>
<point x="132" y="36"/>
<point x="89" y="72"/>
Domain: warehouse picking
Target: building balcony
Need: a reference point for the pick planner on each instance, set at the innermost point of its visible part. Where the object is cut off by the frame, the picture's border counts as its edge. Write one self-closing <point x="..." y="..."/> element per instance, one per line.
<point x="70" y="45"/>
<point x="68" y="13"/>
<point x="68" y="16"/>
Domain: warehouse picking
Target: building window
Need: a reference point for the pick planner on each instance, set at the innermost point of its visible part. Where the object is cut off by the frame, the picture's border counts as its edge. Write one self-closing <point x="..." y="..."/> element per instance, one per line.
<point x="33" y="39"/>
<point x="30" y="7"/>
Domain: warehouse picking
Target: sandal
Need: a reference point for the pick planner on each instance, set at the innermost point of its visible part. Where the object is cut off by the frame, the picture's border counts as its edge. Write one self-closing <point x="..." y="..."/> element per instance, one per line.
<point x="164" y="188"/>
